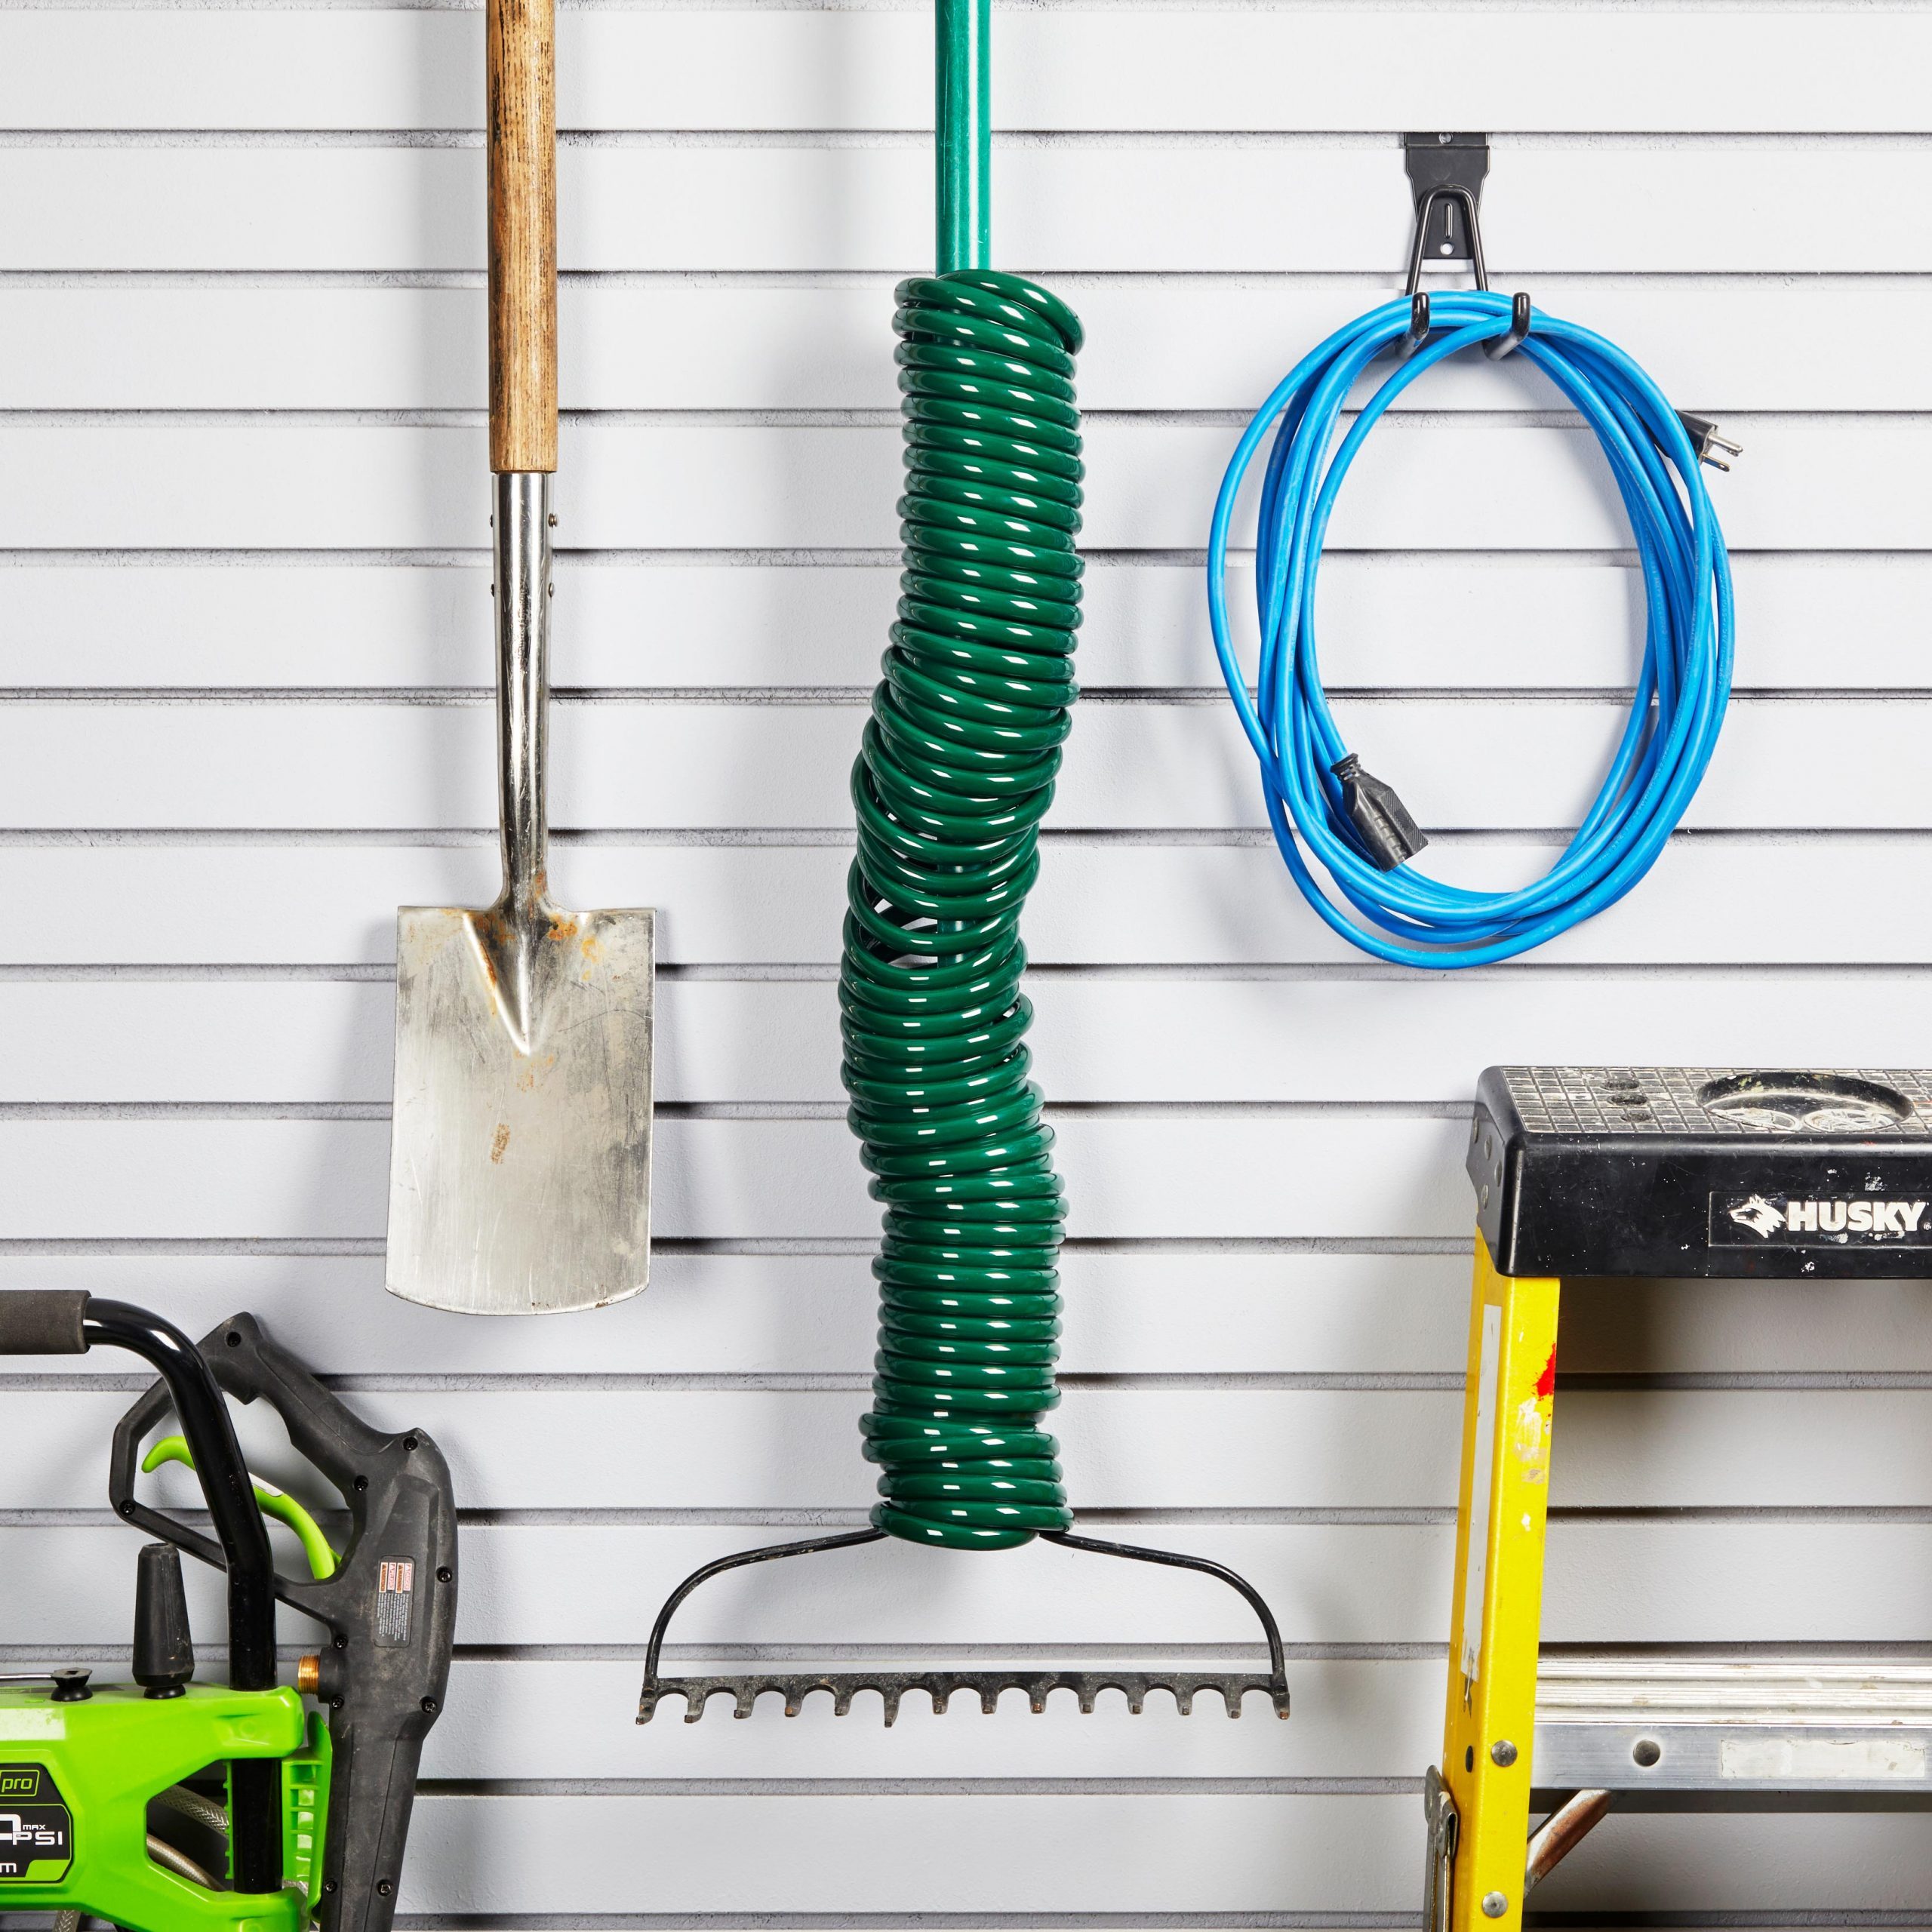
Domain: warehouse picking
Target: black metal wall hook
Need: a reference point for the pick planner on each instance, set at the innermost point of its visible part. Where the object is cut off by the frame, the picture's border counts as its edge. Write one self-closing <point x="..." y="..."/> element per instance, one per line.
<point x="1425" y="206"/>
<point x="1418" y="331"/>
<point x="1445" y="196"/>
<point x="1446" y="173"/>
<point x="1434" y="161"/>
<point x="1521" y="316"/>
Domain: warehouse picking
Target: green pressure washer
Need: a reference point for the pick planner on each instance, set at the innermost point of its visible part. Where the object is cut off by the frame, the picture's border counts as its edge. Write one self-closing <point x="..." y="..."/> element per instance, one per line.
<point x="164" y="1805"/>
<point x="955" y="773"/>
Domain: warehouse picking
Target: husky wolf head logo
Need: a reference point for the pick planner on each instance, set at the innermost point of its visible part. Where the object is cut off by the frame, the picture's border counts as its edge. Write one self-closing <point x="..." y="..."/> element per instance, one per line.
<point x="1759" y="1216"/>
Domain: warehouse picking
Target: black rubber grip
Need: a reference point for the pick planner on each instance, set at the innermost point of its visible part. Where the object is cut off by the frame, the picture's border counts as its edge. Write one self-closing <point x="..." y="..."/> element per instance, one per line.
<point x="42" y="1321"/>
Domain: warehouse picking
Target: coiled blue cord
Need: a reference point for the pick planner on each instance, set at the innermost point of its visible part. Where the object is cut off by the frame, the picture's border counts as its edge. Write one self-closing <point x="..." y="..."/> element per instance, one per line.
<point x="1676" y="713"/>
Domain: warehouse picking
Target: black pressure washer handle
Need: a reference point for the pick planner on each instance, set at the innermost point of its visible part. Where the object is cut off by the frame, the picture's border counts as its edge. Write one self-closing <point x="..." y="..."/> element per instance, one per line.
<point x="390" y="1606"/>
<point x="64" y="1321"/>
<point x="43" y="1321"/>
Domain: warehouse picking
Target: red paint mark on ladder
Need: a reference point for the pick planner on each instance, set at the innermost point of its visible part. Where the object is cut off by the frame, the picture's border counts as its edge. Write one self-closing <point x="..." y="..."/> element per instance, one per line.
<point x="1547" y="1381"/>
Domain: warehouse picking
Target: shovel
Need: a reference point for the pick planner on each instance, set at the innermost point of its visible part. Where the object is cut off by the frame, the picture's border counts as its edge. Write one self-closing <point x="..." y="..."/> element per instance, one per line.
<point x="520" y="1153"/>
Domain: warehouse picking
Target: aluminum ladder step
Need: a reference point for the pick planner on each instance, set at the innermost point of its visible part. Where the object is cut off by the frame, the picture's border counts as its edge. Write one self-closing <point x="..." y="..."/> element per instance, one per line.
<point x="1734" y="1726"/>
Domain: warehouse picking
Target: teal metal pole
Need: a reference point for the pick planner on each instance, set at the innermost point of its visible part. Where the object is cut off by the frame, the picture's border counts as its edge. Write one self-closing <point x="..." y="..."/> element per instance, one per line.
<point x="964" y="119"/>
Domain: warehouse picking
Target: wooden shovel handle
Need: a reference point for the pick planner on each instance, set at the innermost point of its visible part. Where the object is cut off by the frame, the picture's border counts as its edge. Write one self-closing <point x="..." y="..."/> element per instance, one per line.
<point x="521" y="56"/>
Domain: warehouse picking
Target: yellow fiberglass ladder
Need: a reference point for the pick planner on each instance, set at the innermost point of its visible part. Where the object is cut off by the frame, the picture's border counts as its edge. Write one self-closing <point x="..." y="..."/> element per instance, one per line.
<point x="1818" y="1174"/>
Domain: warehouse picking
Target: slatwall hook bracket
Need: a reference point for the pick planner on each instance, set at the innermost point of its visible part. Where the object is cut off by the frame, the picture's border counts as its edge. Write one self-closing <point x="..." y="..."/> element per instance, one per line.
<point x="1446" y="174"/>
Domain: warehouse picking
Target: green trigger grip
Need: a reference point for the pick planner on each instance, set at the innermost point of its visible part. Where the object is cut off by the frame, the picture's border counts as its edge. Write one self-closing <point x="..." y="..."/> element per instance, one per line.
<point x="274" y="1502"/>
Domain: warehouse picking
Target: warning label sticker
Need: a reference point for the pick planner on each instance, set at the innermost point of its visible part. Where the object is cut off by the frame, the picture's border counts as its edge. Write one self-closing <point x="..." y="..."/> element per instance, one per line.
<point x="395" y="1596"/>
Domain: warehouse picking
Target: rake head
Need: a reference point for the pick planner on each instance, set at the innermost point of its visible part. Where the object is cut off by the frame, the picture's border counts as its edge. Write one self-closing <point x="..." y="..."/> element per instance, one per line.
<point x="940" y="1685"/>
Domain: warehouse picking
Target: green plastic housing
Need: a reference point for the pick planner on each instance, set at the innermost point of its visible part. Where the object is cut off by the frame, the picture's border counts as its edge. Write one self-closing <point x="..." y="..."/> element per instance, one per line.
<point x="99" y="1761"/>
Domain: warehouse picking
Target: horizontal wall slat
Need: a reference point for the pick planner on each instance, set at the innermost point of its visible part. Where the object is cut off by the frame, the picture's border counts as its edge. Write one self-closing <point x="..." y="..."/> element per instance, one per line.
<point x="1208" y="342"/>
<point x="1827" y="71"/>
<point x="1637" y="1578"/>
<point x="1388" y="621"/>
<point x="877" y="1853"/>
<point x="1477" y="763"/>
<point x="764" y="1313"/>
<point x="286" y="902"/>
<point x="1093" y="1039"/>
<point x="1632" y="1578"/>
<point x="1550" y="204"/>
<point x="527" y="1720"/>
<point x="1126" y="1311"/>
<point x="586" y="1447"/>
<point x="1207" y="1175"/>
<point x="1349" y="1855"/>
<point x="1441" y="483"/>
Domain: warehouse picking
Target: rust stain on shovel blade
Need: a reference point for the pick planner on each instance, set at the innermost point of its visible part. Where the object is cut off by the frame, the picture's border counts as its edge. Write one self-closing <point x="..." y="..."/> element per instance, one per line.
<point x="520" y="1169"/>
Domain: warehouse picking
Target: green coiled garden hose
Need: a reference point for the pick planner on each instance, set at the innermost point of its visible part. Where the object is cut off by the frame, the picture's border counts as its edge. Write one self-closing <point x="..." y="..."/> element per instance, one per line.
<point x="956" y="771"/>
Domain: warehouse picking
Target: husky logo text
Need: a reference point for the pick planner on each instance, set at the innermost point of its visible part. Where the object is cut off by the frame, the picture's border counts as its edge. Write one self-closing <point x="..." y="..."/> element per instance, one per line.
<point x="1861" y="1216"/>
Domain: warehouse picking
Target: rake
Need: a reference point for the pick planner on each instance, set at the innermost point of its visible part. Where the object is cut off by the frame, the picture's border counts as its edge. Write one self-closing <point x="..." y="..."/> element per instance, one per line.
<point x="956" y="771"/>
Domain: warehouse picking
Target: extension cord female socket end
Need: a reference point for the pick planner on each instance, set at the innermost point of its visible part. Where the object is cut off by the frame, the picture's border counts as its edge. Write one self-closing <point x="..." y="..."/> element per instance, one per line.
<point x="1392" y="837"/>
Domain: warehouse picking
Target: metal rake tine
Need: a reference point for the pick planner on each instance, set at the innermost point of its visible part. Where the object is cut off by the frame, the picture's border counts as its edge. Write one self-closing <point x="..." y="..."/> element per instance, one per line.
<point x="941" y="1686"/>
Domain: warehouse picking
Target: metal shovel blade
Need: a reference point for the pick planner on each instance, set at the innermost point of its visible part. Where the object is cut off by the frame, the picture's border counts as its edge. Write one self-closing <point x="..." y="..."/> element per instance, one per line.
<point x="520" y="1150"/>
<point x="520" y="1178"/>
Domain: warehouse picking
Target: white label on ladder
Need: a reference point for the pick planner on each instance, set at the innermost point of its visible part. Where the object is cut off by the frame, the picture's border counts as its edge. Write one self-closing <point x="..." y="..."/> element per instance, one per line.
<point x="1802" y="1760"/>
<point x="1476" y="1569"/>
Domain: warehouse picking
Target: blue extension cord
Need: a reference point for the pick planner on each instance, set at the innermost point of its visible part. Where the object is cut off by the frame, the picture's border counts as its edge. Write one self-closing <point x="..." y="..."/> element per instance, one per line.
<point x="1678" y="706"/>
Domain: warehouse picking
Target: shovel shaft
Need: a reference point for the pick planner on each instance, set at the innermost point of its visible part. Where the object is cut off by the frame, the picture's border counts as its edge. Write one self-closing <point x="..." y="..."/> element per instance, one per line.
<point x="521" y="528"/>
<point x="520" y="37"/>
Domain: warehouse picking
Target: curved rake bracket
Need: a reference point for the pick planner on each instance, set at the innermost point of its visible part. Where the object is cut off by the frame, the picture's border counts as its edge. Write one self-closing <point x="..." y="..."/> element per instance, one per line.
<point x="795" y="1688"/>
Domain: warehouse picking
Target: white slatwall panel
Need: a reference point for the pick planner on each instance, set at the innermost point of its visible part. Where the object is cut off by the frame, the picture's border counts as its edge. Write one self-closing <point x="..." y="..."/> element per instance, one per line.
<point x="241" y="524"/>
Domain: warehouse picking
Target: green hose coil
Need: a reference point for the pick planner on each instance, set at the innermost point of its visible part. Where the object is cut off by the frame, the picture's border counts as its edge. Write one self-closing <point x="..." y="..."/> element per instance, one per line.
<point x="956" y="771"/>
